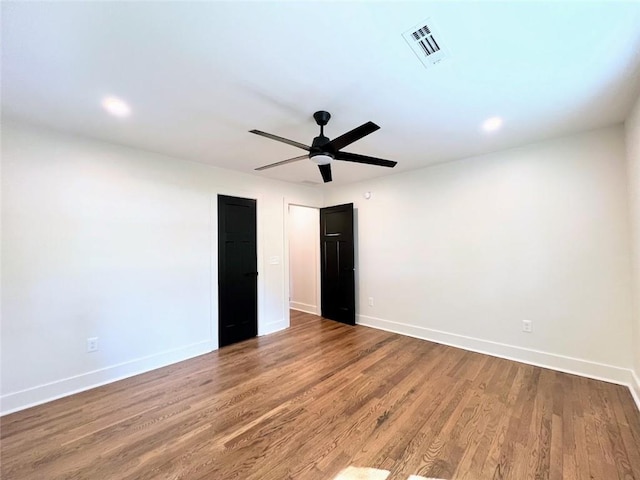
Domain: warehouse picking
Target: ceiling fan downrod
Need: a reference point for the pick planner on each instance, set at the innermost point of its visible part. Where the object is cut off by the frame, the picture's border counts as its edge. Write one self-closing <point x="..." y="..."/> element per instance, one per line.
<point x="322" y="118"/>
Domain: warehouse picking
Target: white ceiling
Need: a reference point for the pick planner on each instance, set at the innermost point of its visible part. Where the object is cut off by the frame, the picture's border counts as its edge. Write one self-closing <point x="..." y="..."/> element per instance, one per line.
<point x="198" y="76"/>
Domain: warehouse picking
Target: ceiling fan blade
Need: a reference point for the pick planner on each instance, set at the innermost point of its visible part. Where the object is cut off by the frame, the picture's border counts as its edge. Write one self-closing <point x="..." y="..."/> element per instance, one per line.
<point x="354" y="157"/>
<point x="325" y="170"/>
<point x="283" y="162"/>
<point x="351" y="136"/>
<point x="281" y="139"/>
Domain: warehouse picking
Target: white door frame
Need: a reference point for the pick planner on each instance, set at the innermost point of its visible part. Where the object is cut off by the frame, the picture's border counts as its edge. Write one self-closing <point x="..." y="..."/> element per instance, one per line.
<point x="287" y="267"/>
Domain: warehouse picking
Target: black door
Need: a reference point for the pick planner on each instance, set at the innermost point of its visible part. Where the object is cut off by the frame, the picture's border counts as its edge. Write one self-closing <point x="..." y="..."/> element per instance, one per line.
<point x="237" y="270"/>
<point x="336" y="259"/>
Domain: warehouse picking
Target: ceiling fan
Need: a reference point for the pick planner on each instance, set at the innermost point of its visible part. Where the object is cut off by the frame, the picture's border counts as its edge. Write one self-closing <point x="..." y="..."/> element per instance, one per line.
<point x="323" y="150"/>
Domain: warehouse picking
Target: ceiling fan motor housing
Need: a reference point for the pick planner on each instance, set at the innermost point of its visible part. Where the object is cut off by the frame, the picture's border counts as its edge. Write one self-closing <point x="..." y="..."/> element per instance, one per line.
<point x="319" y="154"/>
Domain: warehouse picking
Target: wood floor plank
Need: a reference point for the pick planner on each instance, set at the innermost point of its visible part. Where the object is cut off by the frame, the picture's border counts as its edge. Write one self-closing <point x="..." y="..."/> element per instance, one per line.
<point x="307" y="402"/>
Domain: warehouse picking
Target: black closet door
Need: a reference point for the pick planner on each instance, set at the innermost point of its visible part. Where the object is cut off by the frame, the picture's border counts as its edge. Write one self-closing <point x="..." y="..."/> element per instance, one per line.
<point x="337" y="275"/>
<point x="237" y="270"/>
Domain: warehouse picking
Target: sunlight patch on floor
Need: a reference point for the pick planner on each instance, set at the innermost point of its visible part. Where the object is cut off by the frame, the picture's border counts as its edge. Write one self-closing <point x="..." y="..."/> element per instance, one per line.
<point x="359" y="473"/>
<point x="363" y="473"/>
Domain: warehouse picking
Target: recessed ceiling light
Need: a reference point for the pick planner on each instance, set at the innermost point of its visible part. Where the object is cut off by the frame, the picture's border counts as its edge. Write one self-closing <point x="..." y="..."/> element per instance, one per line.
<point x="116" y="107"/>
<point x="492" y="124"/>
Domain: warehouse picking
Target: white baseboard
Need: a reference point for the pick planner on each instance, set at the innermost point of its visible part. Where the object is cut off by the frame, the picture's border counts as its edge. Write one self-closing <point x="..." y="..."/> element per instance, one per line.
<point x="13" y="402"/>
<point x="304" y="307"/>
<point x="635" y="388"/>
<point x="273" y="327"/>
<point x="576" y="366"/>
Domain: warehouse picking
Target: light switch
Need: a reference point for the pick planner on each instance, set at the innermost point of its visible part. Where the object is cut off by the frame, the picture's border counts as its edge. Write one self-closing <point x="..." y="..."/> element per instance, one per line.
<point x="274" y="260"/>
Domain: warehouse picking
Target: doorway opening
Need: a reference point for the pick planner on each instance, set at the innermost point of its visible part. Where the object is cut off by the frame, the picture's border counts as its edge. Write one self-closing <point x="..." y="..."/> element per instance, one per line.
<point x="304" y="258"/>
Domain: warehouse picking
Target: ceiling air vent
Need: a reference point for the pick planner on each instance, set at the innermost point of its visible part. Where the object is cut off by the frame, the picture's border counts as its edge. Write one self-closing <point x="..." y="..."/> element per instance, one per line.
<point x="309" y="182"/>
<point x="425" y="43"/>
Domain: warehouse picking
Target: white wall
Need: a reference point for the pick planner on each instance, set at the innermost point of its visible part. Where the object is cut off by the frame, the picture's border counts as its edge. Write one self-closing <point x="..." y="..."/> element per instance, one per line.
<point x="633" y="155"/>
<point x="462" y="252"/>
<point x="102" y="240"/>
<point x="304" y="262"/>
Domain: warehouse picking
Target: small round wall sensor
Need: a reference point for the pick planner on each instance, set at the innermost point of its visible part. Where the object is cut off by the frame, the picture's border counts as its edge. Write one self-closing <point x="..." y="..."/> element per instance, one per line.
<point x="367" y="195"/>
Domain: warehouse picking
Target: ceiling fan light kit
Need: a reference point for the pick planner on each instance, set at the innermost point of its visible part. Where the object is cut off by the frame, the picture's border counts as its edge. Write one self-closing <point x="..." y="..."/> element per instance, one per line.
<point x="321" y="158"/>
<point x="323" y="150"/>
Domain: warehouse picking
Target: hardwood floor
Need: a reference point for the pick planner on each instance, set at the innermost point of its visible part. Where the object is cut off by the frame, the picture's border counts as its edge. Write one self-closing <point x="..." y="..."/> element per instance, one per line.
<point x="307" y="402"/>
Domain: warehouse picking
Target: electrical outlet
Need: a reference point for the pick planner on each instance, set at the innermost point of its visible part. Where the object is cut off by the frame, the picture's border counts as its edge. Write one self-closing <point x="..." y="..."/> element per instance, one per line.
<point x="527" y="326"/>
<point x="371" y="301"/>
<point x="92" y="344"/>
